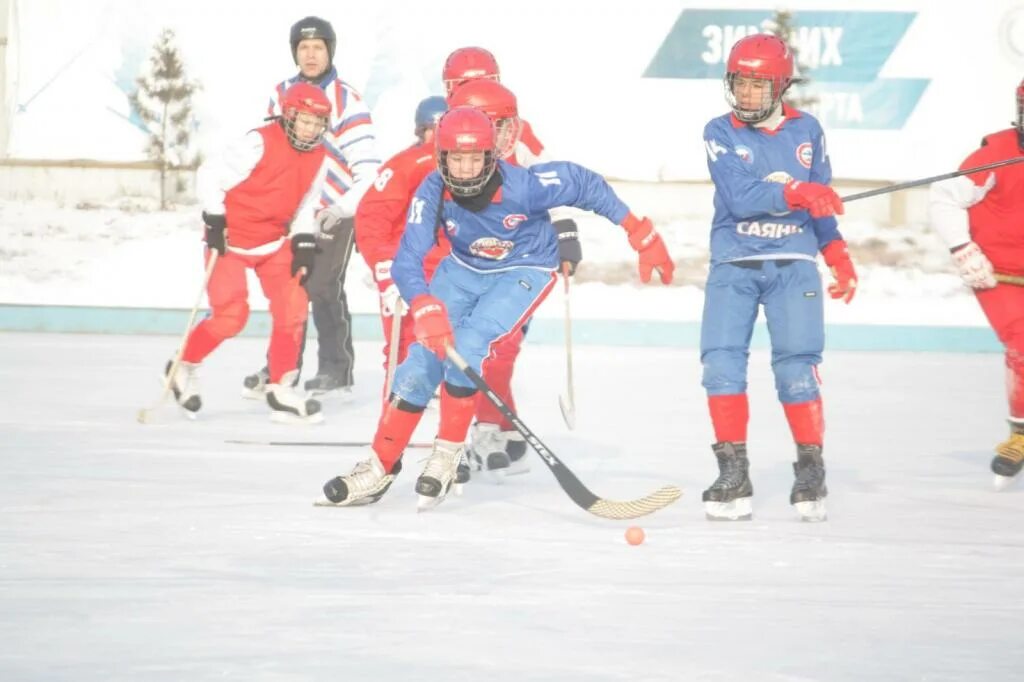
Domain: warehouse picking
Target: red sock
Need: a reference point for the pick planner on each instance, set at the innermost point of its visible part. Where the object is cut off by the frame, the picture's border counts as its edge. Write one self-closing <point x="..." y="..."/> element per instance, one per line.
<point x="394" y="431"/>
<point x="806" y="421"/>
<point x="456" y="416"/>
<point x="729" y="416"/>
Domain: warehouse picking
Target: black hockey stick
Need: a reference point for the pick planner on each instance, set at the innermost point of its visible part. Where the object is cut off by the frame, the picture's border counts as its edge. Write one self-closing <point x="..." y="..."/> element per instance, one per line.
<point x="927" y="181"/>
<point x="319" y="443"/>
<point x="577" y="492"/>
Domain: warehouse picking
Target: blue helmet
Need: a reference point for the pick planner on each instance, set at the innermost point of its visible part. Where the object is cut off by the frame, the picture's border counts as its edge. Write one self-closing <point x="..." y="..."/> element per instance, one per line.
<point x="429" y="111"/>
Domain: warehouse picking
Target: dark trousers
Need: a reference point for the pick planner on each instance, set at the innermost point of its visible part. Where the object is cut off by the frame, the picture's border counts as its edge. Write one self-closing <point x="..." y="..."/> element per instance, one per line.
<point x="326" y="289"/>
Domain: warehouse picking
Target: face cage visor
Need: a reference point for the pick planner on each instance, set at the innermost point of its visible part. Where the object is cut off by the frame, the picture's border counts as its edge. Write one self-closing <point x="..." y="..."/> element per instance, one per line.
<point x="466" y="187"/>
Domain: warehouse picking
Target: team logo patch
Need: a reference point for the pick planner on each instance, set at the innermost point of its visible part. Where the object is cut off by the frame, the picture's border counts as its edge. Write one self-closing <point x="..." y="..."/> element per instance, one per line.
<point x="744" y="153"/>
<point x="491" y="248"/>
<point x="781" y="177"/>
<point x="513" y="220"/>
<point x="451" y="227"/>
<point x="805" y="154"/>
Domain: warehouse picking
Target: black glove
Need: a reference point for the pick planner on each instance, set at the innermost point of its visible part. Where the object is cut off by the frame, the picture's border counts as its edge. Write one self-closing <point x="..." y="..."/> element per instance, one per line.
<point x="569" y="249"/>
<point x="303" y="252"/>
<point x="215" y="226"/>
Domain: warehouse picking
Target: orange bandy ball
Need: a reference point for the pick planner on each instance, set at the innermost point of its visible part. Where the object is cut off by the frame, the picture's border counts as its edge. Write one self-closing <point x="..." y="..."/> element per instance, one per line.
<point x="634" y="535"/>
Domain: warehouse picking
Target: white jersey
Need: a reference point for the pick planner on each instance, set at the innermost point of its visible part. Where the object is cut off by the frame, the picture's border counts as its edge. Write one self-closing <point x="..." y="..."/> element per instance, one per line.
<point x="351" y="162"/>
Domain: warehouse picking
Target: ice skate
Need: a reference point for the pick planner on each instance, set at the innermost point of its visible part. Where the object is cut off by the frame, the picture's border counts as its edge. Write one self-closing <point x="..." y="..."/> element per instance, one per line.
<point x="1009" y="459"/>
<point x="185" y="386"/>
<point x="809" y="491"/>
<point x="440" y="475"/>
<point x="254" y="386"/>
<point x="329" y="386"/>
<point x="290" y="406"/>
<point x="491" y="451"/>
<point x="366" y="484"/>
<point x="729" y="497"/>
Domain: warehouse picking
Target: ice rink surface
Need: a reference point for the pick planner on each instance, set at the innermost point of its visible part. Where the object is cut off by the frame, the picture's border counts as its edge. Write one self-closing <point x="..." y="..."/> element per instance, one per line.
<point x="163" y="552"/>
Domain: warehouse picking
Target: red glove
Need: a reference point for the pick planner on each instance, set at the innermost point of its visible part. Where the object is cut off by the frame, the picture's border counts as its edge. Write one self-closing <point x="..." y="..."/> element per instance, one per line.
<point x="837" y="258"/>
<point x="646" y="241"/>
<point x="820" y="201"/>
<point x="431" y="325"/>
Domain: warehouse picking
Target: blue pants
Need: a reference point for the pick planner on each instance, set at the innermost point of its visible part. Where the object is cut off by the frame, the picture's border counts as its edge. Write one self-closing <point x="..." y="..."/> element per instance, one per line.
<point x="790" y="292"/>
<point x="482" y="307"/>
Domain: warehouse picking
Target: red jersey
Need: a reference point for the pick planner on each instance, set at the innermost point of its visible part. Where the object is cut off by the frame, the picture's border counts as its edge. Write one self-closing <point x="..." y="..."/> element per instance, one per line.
<point x="997" y="221"/>
<point x="260" y="209"/>
<point x="381" y="215"/>
<point x="529" y="149"/>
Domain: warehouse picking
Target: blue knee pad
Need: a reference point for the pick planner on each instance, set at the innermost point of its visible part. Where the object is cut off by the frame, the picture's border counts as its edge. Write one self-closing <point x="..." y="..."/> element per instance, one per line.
<point x="795" y="380"/>
<point x="418" y="376"/>
<point x="725" y="372"/>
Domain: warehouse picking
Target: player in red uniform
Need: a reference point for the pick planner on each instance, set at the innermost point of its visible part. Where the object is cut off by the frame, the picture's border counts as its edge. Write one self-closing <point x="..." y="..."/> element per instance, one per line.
<point x="981" y="219"/>
<point x="380" y="218"/>
<point x="258" y="202"/>
<point x="495" y="445"/>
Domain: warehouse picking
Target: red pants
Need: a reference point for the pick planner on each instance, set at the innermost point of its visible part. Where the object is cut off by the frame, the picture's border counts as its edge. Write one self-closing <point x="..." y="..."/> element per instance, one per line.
<point x="229" y="308"/>
<point x="406" y="337"/>
<point x="497" y="372"/>
<point x="1004" y="308"/>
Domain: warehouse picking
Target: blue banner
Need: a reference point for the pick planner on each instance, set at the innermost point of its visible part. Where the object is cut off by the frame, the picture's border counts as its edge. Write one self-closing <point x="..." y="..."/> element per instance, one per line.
<point x="841" y="53"/>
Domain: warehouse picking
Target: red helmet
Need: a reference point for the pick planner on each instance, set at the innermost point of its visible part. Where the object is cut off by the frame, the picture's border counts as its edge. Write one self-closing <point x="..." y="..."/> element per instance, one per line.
<point x="761" y="57"/>
<point x="305" y="98"/>
<point x="499" y="103"/>
<point x="466" y="64"/>
<point x="465" y="130"/>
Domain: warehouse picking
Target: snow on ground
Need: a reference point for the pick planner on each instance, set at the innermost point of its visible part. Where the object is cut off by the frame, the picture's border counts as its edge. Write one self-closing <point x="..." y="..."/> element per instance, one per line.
<point x="134" y="256"/>
<point x="162" y="552"/>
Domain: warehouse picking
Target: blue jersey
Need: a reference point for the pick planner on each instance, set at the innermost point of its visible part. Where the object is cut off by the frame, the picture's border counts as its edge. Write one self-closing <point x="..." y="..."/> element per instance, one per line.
<point x="749" y="167"/>
<point x="513" y="231"/>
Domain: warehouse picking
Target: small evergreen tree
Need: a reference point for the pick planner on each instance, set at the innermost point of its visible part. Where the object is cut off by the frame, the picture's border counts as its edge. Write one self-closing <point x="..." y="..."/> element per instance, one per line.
<point x="782" y="25"/>
<point x="163" y="100"/>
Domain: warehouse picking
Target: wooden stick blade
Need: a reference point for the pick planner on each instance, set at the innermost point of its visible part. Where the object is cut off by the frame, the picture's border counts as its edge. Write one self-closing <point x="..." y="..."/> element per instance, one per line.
<point x="659" y="499"/>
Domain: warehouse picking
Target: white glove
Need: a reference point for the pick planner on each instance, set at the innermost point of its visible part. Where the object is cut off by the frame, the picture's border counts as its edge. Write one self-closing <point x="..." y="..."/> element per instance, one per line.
<point x="389" y="295"/>
<point x="389" y="301"/>
<point x="328" y="219"/>
<point x="975" y="269"/>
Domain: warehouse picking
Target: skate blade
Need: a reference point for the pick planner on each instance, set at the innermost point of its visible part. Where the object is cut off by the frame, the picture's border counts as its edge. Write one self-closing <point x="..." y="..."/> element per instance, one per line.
<point x="324" y="502"/>
<point x="280" y="417"/>
<point x="738" y="510"/>
<point x="426" y="503"/>
<point x="518" y="468"/>
<point x="188" y="414"/>
<point x="495" y="476"/>
<point x="1000" y="483"/>
<point x="339" y="395"/>
<point x="253" y="394"/>
<point x="811" y="511"/>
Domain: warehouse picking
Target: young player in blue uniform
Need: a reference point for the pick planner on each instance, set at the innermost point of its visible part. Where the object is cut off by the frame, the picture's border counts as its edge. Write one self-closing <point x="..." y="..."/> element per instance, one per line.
<point x="774" y="211"/>
<point x="503" y="263"/>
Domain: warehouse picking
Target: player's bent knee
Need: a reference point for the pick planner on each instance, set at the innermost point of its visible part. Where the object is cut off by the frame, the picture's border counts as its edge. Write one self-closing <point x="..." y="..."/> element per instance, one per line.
<point x="795" y="381"/>
<point x="724" y="373"/>
<point x="229" y="321"/>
